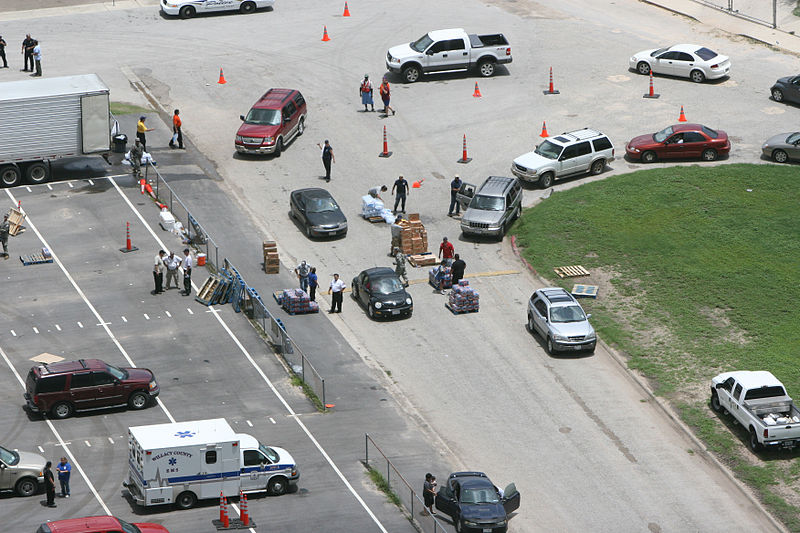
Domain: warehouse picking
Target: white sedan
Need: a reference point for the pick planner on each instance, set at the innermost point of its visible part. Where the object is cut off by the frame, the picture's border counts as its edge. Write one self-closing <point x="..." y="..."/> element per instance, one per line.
<point x="692" y="61"/>
<point x="189" y="8"/>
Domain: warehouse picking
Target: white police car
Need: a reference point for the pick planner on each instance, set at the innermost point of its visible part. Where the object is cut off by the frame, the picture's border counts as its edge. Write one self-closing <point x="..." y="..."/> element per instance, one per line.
<point x="188" y="9"/>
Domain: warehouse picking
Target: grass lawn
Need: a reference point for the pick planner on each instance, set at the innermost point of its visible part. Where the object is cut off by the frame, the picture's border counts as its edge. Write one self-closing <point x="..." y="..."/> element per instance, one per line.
<point x="121" y="108"/>
<point x="696" y="268"/>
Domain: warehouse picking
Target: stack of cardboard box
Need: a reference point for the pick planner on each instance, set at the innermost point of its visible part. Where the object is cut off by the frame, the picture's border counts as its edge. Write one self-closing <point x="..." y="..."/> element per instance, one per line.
<point x="463" y="298"/>
<point x="272" y="262"/>
<point x="413" y="236"/>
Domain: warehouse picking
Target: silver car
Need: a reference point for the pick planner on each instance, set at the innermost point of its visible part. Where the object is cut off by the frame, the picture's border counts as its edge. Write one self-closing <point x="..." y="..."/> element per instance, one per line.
<point x="782" y="147"/>
<point x="22" y="472"/>
<point x="557" y="316"/>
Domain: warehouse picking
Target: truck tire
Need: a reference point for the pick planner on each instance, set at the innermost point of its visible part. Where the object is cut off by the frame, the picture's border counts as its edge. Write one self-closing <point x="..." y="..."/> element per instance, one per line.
<point x="754" y="444"/>
<point x="486" y="68"/>
<point x="546" y="181"/>
<point x="26" y="486"/>
<point x="37" y="173"/>
<point x="10" y="175"/>
<point x="185" y="500"/>
<point x="138" y="400"/>
<point x="598" y="167"/>
<point x="412" y="73"/>
<point x="277" y="486"/>
<point x="62" y="410"/>
<point x="715" y="405"/>
<point x="278" y="147"/>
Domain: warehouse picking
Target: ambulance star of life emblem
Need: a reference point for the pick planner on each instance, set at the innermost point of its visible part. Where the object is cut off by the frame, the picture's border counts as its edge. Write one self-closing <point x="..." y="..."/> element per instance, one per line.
<point x="172" y="461"/>
<point x="184" y="434"/>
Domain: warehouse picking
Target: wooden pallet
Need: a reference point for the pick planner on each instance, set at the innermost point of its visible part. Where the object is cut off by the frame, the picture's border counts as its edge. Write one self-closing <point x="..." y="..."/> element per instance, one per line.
<point x="573" y="271"/>
<point x="585" y="291"/>
<point x="15" y="220"/>
<point x="450" y="307"/>
<point x="206" y="292"/>
<point x="35" y="259"/>
<point x="374" y="219"/>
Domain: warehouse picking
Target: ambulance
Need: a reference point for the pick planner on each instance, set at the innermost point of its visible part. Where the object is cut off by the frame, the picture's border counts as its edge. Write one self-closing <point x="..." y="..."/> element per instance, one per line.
<point x="182" y="462"/>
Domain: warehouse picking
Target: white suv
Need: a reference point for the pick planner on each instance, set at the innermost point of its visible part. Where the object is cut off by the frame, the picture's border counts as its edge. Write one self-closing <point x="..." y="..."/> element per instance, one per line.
<point x="570" y="153"/>
<point x="558" y="317"/>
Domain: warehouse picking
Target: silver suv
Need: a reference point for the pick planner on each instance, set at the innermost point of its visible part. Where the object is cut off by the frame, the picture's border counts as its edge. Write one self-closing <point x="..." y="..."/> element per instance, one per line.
<point x="22" y="472"/>
<point x="491" y="208"/>
<point x="558" y="317"/>
<point x="570" y="153"/>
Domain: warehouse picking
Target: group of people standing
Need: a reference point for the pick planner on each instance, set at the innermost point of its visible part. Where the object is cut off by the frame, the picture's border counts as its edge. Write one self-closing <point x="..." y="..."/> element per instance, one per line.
<point x="64" y="470"/>
<point x="400" y="189"/>
<point x="307" y="276"/>
<point x="31" y="51"/>
<point x="170" y="262"/>
<point x="365" y="89"/>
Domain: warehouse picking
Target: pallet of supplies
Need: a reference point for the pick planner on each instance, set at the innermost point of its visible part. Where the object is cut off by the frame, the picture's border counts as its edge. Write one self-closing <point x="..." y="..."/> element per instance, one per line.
<point x="272" y="261"/>
<point x="440" y="277"/>
<point x="463" y="299"/>
<point x="296" y="302"/>
<point x="413" y="236"/>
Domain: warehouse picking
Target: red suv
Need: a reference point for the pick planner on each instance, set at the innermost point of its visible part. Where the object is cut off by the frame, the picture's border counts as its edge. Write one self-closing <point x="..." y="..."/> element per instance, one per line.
<point x="99" y="524"/>
<point x="277" y="118"/>
<point x="65" y="387"/>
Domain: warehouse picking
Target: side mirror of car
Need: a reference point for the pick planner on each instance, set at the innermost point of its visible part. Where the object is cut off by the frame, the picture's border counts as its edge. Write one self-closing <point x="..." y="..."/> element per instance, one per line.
<point x="2" y="466"/>
<point x="241" y="117"/>
<point x="588" y="316"/>
<point x="286" y="119"/>
<point x="429" y="52"/>
<point x="719" y="385"/>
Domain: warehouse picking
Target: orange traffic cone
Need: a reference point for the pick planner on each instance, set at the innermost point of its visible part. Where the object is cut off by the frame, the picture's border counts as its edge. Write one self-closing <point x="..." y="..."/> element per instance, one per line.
<point x="325" y="34"/>
<point x="221" y="77"/>
<point x="544" y="130"/>
<point x="682" y="118"/>
<point x="477" y="93"/>
<point x="346" y="11"/>
<point x="417" y="184"/>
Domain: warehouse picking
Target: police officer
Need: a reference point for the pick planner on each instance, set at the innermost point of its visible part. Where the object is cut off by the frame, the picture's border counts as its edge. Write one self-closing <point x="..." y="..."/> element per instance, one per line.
<point x="3" y="52"/>
<point x="27" y="50"/>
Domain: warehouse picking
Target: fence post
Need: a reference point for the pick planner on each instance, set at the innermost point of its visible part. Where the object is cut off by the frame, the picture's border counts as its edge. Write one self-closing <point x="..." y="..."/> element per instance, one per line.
<point x="411" y="497"/>
<point x="324" y="404"/>
<point x="366" y="449"/>
<point x="388" y="470"/>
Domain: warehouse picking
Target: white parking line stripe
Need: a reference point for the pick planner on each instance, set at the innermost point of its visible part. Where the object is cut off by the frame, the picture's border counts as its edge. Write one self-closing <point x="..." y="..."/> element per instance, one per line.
<point x="89" y="444"/>
<point x="49" y="423"/>
<point x="249" y="423"/>
<point x="80" y="325"/>
<point x="104" y="324"/>
<point x="49" y="186"/>
<point x="272" y="420"/>
<point x="13" y="334"/>
<point x="263" y="376"/>
<point x="190" y="311"/>
<point x="28" y="189"/>
<point x="58" y="327"/>
<point x="146" y="317"/>
<point x="110" y="440"/>
<point x="168" y="315"/>
<point x="35" y="330"/>
<point x="70" y="185"/>
<point x="91" y="182"/>
<point x="124" y="319"/>
<point x="41" y="450"/>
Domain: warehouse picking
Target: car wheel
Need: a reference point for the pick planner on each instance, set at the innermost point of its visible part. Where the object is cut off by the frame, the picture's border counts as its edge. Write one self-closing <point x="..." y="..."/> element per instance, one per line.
<point x="411" y="74"/>
<point x="715" y="405"/>
<point x="26" y="487"/>
<point x="486" y="68"/>
<point x="62" y="410"/>
<point x="10" y="175"/>
<point x="36" y="173"/>
<point x="247" y="8"/>
<point x="697" y="76"/>
<point x="777" y="95"/>
<point x="709" y="154"/>
<point x="278" y="147"/>
<point x="754" y="444"/>
<point x="371" y="311"/>
<point x="309" y="233"/>
<point x="187" y="12"/>
<point x="546" y="181"/>
<point x="550" y="348"/>
<point x="457" y="524"/>
<point x="649" y="156"/>
<point x="643" y="68"/>
<point x="531" y="325"/>
<point x="138" y="400"/>
<point x="301" y="126"/>
<point x="185" y="500"/>
<point x="278" y="486"/>
<point x="353" y="291"/>
<point x="779" y="156"/>
<point x="597" y="167"/>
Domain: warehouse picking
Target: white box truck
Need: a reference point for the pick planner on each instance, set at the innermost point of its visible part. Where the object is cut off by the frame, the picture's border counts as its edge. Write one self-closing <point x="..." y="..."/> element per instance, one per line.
<point x="183" y="462"/>
<point x="46" y="119"/>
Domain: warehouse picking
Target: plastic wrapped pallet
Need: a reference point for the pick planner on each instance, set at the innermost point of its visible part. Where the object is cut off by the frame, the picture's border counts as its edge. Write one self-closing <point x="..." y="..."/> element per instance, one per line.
<point x="371" y="207"/>
<point x="440" y="277"/>
<point x="464" y="298"/>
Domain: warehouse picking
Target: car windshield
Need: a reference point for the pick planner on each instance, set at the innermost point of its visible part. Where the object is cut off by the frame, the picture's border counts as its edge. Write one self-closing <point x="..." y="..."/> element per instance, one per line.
<point x="793" y="138"/>
<point x="567" y="313"/>
<point x="8" y="457"/>
<point x="321" y="205"/>
<point x="711" y="133"/>
<point x="658" y="52"/>
<point x="487" y="203"/>
<point x="263" y="117"/>
<point x="128" y="528"/>
<point x="705" y="53"/>
<point x="486" y="495"/>
<point x="548" y="150"/>
<point x="117" y="372"/>
<point x="387" y="285"/>
<point x="662" y="135"/>
<point x="422" y="43"/>
<point x="269" y="452"/>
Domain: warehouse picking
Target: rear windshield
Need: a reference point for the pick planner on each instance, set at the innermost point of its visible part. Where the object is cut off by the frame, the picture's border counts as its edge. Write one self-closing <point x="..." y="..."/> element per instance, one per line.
<point x="50" y="384"/>
<point x="706" y="54"/>
<point x="711" y="133"/>
<point x="263" y="117"/>
<point x="765" y="392"/>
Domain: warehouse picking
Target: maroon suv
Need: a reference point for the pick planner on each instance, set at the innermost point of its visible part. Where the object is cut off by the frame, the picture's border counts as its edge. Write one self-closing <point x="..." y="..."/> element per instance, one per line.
<point x="278" y="117"/>
<point x="69" y="386"/>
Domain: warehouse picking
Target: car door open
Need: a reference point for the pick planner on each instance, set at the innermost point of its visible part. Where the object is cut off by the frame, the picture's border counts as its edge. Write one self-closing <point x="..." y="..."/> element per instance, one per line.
<point x="511" y="498"/>
<point x="465" y="194"/>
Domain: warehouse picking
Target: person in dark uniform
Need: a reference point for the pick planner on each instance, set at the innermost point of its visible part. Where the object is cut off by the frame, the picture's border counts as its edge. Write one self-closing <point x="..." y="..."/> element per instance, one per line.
<point x="455" y="186"/>
<point x="3" y="52"/>
<point x="400" y="190"/>
<point x="327" y="158"/>
<point x="27" y="50"/>
<point x="457" y="269"/>
<point x="50" y="484"/>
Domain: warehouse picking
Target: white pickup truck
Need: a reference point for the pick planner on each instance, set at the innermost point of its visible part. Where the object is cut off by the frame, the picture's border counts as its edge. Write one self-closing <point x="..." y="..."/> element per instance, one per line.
<point x="758" y="401"/>
<point x="446" y="50"/>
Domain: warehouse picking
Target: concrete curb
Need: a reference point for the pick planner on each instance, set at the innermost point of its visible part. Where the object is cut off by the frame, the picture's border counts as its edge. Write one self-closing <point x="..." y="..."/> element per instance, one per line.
<point x="666" y="408"/>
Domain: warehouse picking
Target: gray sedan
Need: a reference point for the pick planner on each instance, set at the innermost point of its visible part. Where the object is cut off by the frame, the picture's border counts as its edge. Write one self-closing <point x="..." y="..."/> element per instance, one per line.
<point x="782" y="147"/>
<point x="786" y="89"/>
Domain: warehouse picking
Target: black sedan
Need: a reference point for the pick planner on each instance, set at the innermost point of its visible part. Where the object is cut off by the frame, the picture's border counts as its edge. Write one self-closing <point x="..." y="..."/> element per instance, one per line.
<point x="382" y="292"/>
<point x="318" y="212"/>
<point x="475" y="504"/>
<point x="786" y="90"/>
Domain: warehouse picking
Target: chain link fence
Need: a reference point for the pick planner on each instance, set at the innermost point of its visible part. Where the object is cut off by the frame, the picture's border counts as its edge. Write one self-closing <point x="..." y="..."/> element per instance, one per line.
<point x="764" y="12"/>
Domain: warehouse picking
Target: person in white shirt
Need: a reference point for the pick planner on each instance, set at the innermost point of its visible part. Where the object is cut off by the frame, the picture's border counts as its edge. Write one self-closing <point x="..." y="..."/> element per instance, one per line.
<point x="187" y="272"/>
<point x="337" y="286"/>
<point x="172" y="262"/>
<point x="376" y="191"/>
<point x="158" y="272"/>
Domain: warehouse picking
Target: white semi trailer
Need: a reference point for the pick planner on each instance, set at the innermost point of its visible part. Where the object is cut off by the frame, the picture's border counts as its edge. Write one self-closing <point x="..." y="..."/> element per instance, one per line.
<point x="46" y="119"/>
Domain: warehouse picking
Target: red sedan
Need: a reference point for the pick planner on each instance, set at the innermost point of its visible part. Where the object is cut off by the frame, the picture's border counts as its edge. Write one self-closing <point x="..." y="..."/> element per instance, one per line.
<point x="681" y="141"/>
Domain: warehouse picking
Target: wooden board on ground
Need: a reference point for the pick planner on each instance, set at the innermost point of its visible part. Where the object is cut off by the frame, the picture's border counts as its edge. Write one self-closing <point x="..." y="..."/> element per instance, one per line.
<point x="15" y="220"/>
<point x="573" y="271"/>
<point x="374" y="219"/>
<point x="585" y="291"/>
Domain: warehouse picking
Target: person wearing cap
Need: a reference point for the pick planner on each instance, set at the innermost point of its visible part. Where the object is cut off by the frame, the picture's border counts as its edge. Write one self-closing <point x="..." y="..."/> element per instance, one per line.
<point x="337" y="286"/>
<point x="327" y="158"/>
<point x="455" y="186"/>
<point x="172" y="262"/>
<point x="141" y="129"/>
<point x="400" y="265"/>
<point x="5" y="227"/>
<point x="27" y="52"/>
<point x="187" y="272"/>
<point x="158" y="272"/>
<point x="446" y="251"/>
<point x="136" y="157"/>
<point x="386" y="96"/>
<point x="365" y="90"/>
